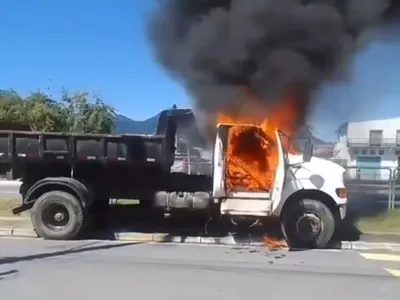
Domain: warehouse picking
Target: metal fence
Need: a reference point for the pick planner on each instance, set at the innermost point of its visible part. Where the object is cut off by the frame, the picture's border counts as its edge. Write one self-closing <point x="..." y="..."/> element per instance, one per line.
<point x="372" y="190"/>
<point x="395" y="189"/>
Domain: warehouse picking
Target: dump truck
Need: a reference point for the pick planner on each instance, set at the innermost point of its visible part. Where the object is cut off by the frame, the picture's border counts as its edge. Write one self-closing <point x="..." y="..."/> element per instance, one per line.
<point x="65" y="176"/>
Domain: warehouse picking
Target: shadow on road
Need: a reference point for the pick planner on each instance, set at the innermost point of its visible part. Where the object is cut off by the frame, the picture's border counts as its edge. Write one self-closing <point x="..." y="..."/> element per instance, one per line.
<point x="80" y="249"/>
<point x="133" y="219"/>
<point x="348" y="230"/>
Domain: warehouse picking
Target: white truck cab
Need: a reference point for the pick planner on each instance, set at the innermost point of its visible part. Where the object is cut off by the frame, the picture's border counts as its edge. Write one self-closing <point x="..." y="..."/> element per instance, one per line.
<point x="308" y="193"/>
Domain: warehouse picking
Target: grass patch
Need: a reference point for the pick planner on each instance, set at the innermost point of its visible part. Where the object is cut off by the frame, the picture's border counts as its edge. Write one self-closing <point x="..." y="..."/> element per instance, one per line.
<point x="7" y="205"/>
<point x="386" y="222"/>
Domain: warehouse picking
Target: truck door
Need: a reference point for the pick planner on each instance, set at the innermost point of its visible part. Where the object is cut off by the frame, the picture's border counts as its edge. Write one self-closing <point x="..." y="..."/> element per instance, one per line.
<point x="219" y="161"/>
<point x="279" y="181"/>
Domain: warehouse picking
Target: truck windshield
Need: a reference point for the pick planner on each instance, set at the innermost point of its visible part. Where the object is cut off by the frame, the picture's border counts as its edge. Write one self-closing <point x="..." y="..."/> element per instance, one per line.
<point x="285" y="141"/>
<point x="290" y="145"/>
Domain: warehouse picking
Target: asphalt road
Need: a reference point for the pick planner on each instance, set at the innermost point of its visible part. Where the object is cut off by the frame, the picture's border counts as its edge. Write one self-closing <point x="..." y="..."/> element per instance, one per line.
<point x="35" y="269"/>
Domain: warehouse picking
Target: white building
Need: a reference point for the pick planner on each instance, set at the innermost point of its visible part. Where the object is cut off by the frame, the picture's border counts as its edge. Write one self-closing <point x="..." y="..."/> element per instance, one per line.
<point x="370" y="149"/>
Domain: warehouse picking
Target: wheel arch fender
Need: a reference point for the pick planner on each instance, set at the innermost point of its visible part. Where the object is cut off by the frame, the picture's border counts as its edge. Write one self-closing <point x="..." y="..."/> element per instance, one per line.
<point x="70" y="185"/>
<point x="316" y="195"/>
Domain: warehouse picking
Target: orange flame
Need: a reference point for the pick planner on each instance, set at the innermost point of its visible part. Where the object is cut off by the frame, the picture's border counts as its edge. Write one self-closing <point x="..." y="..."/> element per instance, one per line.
<point x="274" y="243"/>
<point x="252" y="153"/>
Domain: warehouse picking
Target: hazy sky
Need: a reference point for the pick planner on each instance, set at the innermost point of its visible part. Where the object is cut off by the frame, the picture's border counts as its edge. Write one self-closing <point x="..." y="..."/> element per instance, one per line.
<point x="101" y="45"/>
<point x="372" y="93"/>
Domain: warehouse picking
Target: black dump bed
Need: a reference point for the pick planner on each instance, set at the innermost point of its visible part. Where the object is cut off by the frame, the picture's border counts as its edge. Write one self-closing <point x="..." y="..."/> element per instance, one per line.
<point x="19" y="147"/>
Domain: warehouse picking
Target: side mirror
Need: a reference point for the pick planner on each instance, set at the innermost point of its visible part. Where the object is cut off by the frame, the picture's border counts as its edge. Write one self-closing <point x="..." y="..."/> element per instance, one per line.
<point x="308" y="151"/>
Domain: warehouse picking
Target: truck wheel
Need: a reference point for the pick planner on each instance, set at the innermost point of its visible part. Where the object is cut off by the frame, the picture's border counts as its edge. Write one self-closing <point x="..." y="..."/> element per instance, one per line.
<point x="307" y="224"/>
<point x="58" y="215"/>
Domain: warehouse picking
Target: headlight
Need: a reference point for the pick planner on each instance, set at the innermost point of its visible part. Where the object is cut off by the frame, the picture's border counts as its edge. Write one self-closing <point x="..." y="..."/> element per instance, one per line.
<point x="341" y="193"/>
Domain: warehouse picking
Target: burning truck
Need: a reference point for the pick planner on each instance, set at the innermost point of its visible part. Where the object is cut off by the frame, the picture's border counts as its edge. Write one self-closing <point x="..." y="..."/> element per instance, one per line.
<point x="258" y="173"/>
<point x="252" y="68"/>
<point x="67" y="178"/>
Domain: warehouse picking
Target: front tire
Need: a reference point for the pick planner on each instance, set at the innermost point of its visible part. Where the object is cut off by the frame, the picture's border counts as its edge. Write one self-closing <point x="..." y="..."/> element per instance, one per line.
<point x="308" y="223"/>
<point x="58" y="215"/>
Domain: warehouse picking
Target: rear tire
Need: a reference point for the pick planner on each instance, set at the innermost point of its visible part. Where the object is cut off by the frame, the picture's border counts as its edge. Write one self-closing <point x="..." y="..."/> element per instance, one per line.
<point x="308" y="224"/>
<point x="58" y="215"/>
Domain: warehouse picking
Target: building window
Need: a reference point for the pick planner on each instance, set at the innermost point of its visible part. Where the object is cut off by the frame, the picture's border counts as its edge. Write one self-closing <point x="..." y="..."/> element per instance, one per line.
<point x="355" y="151"/>
<point x="375" y="137"/>
<point x="397" y="152"/>
<point x="381" y="152"/>
<point x="364" y="152"/>
<point x="372" y="152"/>
<point x="398" y="138"/>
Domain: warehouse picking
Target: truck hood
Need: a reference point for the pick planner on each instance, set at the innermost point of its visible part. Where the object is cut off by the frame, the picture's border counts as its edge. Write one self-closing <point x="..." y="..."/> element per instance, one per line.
<point x="316" y="165"/>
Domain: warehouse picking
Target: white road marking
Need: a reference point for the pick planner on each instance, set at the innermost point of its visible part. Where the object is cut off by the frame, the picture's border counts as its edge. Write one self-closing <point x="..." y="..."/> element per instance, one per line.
<point x="384" y="257"/>
<point x="381" y="256"/>
<point x="394" y="272"/>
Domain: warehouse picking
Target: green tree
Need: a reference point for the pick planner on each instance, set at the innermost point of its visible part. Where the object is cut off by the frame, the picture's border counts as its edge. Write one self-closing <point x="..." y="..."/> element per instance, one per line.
<point x="100" y="116"/>
<point x="82" y="115"/>
<point x="9" y="95"/>
<point x="77" y="112"/>
<point x="43" y="113"/>
<point x="11" y="107"/>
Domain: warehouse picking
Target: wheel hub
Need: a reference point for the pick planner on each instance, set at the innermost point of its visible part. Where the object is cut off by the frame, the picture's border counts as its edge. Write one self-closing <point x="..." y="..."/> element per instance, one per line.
<point x="308" y="226"/>
<point x="55" y="216"/>
<point x="59" y="216"/>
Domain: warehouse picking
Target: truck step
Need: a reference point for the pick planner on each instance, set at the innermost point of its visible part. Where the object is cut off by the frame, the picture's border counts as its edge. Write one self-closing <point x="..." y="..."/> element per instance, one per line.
<point x="260" y="207"/>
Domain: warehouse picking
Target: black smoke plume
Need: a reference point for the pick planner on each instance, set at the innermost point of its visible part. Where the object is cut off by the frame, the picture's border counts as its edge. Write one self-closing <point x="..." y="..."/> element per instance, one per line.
<point x="221" y="48"/>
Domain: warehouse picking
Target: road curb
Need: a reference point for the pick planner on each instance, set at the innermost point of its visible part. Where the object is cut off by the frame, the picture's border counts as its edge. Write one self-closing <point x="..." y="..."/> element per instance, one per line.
<point x="225" y="240"/>
<point x="6" y="231"/>
<point x="24" y="232"/>
<point x="14" y="218"/>
<point x="11" y="183"/>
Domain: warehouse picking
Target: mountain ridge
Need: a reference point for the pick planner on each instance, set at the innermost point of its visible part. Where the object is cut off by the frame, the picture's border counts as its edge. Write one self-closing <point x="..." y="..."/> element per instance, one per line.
<point x="124" y="124"/>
